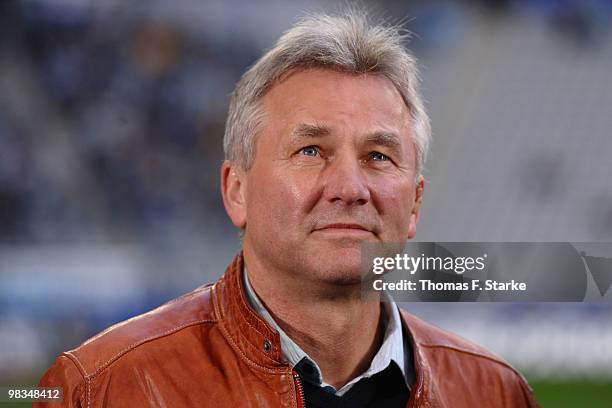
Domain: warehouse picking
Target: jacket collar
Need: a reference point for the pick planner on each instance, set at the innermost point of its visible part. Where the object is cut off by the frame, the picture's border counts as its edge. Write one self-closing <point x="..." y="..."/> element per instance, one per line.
<point x="246" y="331"/>
<point x="260" y="344"/>
<point x="392" y="349"/>
<point x="422" y="368"/>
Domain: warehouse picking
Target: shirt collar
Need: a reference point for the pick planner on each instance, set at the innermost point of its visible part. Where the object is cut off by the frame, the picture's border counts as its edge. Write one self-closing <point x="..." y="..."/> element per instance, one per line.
<point x="393" y="349"/>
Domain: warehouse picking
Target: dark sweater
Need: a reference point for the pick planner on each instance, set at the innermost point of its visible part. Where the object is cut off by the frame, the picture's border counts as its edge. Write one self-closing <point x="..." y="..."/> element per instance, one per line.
<point x="384" y="389"/>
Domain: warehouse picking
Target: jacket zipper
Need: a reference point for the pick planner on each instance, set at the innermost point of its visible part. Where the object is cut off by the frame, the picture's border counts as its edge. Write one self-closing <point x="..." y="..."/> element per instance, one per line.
<point x="301" y="402"/>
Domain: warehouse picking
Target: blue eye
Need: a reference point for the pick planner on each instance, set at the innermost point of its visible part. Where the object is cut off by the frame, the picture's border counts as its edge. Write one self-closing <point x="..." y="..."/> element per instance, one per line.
<point x="377" y="156"/>
<point x="310" y="151"/>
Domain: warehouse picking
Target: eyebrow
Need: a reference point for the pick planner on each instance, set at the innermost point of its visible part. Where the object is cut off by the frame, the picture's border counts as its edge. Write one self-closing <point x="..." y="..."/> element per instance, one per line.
<point x="381" y="138"/>
<point x="307" y="131"/>
<point x="387" y="139"/>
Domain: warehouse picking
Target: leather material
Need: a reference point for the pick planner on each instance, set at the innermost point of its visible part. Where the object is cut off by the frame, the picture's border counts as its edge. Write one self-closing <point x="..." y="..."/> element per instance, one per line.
<point x="209" y="348"/>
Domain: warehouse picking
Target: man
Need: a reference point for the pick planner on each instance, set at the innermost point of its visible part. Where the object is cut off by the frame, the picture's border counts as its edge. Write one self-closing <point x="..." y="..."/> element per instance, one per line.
<point x="325" y="143"/>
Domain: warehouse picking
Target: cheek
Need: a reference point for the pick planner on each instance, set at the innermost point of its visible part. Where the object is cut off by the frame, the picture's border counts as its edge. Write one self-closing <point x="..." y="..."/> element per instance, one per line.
<point x="394" y="202"/>
<point x="279" y="199"/>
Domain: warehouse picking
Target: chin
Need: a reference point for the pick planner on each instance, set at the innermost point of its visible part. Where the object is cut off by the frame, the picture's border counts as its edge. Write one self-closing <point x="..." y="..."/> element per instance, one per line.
<point x="340" y="266"/>
<point x="333" y="261"/>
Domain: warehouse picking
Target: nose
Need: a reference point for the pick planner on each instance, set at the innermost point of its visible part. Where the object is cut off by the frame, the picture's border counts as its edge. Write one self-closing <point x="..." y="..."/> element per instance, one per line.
<point x="345" y="182"/>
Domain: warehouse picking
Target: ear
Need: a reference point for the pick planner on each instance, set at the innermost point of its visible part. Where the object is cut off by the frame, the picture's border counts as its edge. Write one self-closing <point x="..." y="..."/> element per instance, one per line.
<point x="233" y="190"/>
<point x="416" y="207"/>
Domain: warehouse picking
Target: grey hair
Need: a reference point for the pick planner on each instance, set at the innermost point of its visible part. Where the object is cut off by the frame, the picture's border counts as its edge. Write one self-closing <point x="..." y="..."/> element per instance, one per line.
<point x="346" y="43"/>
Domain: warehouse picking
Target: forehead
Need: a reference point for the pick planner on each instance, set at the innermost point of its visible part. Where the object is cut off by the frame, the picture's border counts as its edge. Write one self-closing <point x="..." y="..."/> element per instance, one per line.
<point x="357" y="103"/>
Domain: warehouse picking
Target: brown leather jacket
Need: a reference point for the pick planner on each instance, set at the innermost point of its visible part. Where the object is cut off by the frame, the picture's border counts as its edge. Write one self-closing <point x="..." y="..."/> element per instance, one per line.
<point x="208" y="348"/>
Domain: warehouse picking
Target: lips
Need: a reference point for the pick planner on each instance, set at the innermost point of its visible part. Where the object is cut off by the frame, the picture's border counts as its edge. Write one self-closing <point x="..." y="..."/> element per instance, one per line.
<point x="344" y="230"/>
<point x="343" y="226"/>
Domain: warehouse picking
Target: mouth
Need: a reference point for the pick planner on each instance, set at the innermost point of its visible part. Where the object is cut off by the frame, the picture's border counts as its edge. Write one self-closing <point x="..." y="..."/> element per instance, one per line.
<point x="344" y="229"/>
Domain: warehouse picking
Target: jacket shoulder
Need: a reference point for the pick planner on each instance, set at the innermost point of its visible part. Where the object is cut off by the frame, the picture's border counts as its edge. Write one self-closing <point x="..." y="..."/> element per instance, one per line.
<point x="192" y="309"/>
<point x="427" y="335"/>
<point x="65" y="374"/>
<point x="459" y="365"/>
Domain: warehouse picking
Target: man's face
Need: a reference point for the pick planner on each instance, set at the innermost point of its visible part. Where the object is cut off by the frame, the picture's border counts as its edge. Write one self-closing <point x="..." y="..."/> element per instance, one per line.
<point x="334" y="167"/>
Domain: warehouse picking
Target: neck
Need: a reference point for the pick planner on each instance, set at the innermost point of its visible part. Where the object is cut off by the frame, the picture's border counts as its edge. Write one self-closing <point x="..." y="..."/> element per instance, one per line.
<point x="324" y="325"/>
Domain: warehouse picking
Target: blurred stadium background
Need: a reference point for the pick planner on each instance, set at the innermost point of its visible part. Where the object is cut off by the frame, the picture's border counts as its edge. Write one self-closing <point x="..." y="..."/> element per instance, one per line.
<point x="111" y="122"/>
